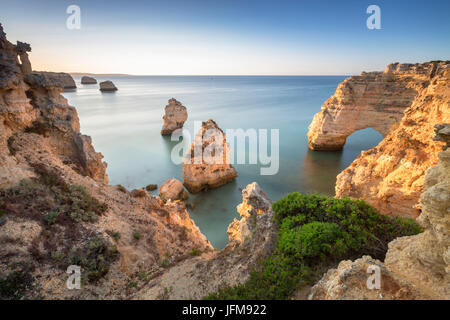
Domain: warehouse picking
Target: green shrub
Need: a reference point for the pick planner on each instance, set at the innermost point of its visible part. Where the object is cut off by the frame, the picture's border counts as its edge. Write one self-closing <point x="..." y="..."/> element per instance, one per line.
<point x="316" y="232"/>
<point x="116" y="236"/>
<point x="137" y="235"/>
<point x="195" y="252"/>
<point x="94" y="258"/>
<point x="51" y="217"/>
<point x="14" y="285"/>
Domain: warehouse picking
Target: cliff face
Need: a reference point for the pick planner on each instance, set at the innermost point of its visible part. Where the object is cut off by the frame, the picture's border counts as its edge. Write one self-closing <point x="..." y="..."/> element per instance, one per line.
<point x="416" y="267"/>
<point x="251" y="238"/>
<point x="56" y="208"/>
<point x="391" y="176"/>
<point x="372" y="100"/>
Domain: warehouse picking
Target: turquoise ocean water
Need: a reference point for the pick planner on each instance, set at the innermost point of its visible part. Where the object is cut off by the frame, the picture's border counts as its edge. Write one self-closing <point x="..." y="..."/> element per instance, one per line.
<point x="125" y="127"/>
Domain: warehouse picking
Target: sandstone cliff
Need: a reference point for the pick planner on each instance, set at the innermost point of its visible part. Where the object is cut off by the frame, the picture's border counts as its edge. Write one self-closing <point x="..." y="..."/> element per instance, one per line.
<point x="391" y="176"/>
<point x="88" y="80"/>
<point x="251" y="238"/>
<point x="175" y="115"/>
<point x="207" y="163"/>
<point x="415" y="267"/>
<point x="56" y="208"/>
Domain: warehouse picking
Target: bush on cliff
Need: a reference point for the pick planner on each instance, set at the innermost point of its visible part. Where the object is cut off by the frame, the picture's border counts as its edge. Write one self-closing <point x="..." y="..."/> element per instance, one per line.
<point x="315" y="233"/>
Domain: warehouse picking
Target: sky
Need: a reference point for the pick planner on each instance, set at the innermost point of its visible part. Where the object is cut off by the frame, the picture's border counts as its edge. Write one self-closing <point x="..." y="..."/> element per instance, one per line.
<point x="228" y="37"/>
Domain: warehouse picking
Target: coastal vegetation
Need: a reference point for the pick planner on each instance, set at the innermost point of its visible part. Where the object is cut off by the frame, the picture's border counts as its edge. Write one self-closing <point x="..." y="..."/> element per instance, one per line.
<point x="315" y="233"/>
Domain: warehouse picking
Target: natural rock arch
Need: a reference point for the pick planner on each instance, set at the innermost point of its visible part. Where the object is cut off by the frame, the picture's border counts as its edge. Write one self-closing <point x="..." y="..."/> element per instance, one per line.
<point x="374" y="100"/>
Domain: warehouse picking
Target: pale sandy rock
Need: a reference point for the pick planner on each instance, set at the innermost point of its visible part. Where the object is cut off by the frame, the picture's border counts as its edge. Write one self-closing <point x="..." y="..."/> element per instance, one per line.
<point x="174" y="118"/>
<point x="349" y="282"/>
<point x="88" y="80"/>
<point x="108" y="85"/>
<point x="206" y="165"/>
<point x="415" y="267"/>
<point x="391" y="175"/>
<point x="251" y="240"/>
<point x="424" y="259"/>
<point x="172" y="190"/>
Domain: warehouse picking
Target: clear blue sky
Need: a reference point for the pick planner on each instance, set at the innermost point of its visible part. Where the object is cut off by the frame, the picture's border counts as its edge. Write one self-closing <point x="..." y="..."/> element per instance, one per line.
<point x="228" y="36"/>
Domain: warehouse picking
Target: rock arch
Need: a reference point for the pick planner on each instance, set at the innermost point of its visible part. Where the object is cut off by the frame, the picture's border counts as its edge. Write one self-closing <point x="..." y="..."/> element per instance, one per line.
<point x="374" y="100"/>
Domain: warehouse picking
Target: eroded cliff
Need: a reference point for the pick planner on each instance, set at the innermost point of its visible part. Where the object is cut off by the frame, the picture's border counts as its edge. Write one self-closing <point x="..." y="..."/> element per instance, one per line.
<point x="56" y="208"/>
<point x="415" y="267"/>
<point x="391" y="175"/>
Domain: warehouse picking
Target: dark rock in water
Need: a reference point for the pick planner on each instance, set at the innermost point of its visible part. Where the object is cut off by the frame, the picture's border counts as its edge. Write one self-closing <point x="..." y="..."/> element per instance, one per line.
<point x="151" y="187"/>
<point x="88" y="80"/>
<point x="52" y="79"/>
<point x="107" y="86"/>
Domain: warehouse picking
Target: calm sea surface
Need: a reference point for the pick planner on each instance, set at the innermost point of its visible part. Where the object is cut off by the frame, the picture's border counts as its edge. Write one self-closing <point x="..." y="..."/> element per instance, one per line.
<point x="125" y="127"/>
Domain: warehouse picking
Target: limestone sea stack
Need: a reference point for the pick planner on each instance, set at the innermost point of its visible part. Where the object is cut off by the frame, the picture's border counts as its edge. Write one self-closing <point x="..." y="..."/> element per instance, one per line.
<point x="207" y="163"/>
<point x="415" y="267"/>
<point x="391" y="175"/>
<point x="88" y="80"/>
<point x="172" y="190"/>
<point x="107" y="86"/>
<point x="65" y="79"/>
<point x="174" y="118"/>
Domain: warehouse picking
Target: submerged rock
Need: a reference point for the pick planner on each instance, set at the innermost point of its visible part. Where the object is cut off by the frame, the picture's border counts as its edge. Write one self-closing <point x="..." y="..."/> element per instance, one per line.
<point x="174" y="118"/>
<point x="172" y="190"/>
<point x="88" y="80"/>
<point x="207" y="163"/>
<point x="107" y="86"/>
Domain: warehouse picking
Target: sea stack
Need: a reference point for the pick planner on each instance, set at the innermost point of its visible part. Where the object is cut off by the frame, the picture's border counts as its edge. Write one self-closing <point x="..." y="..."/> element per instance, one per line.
<point x="207" y="163"/>
<point x="88" y="80"/>
<point x="65" y="79"/>
<point x="107" y="86"/>
<point x="174" y="118"/>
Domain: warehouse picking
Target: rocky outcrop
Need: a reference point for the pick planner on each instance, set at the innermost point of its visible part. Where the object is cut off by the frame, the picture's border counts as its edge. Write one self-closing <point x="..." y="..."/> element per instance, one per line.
<point x="107" y="86"/>
<point x="174" y="118"/>
<point x="172" y="190"/>
<point x="63" y="79"/>
<point x="206" y="165"/>
<point x="252" y="238"/>
<point x="372" y="100"/>
<point x="415" y="267"/>
<point x="56" y="208"/>
<point x="88" y="80"/>
<point x="391" y="175"/>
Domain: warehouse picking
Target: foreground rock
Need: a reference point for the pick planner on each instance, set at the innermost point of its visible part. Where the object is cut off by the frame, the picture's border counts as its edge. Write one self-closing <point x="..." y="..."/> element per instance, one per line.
<point x="416" y="267"/>
<point x="207" y="163"/>
<point x="172" y="190"/>
<point x="251" y="238"/>
<point x="391" y="175"/>
<point x="88" y="80"/>
<point x="57" y="208"/>
<point x="65" y="79"/>
<point x="174" y="118"/>
<point x="107" y="86"/>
